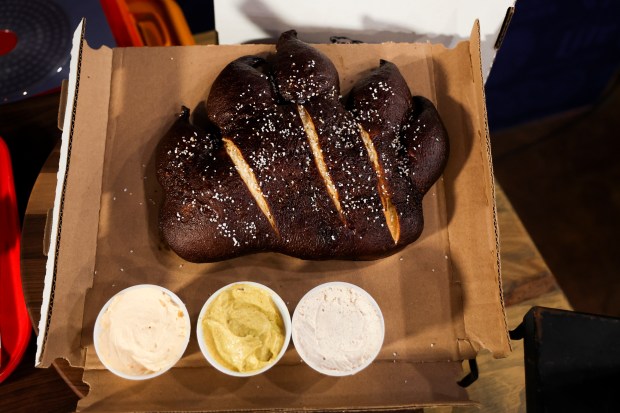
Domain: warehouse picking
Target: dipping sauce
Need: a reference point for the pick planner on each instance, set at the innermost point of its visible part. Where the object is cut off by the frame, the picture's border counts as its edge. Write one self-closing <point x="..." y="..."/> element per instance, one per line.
<point x="144" y="330"/>
<point x="243" y="328"/>
<point x="338" y="329"/>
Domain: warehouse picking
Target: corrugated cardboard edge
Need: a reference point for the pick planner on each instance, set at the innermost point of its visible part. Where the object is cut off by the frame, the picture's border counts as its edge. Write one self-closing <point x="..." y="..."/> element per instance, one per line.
<point x="76" y="146"/>
<point x="474" y="248"/>
<point x="499" y="344"/>
<point x="50" y="279"/>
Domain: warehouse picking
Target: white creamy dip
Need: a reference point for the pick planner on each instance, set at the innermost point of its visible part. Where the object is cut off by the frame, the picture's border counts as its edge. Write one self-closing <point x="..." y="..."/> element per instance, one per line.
<point x="338" y="329"/>
<point x="142" y="331"/>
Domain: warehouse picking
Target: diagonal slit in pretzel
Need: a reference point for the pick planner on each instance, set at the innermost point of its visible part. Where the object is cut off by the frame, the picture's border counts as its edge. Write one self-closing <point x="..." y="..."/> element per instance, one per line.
<point x="389" y="210"/>
<point x="313" y="141"/>
<point x="249" y="178"/>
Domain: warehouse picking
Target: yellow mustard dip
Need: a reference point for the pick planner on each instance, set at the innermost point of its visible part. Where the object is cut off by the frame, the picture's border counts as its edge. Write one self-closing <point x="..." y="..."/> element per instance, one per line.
<point x="243" y="328"/>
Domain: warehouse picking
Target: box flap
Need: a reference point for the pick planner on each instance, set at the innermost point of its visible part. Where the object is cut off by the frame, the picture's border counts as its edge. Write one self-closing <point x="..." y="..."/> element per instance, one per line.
<point x="82" y="147"/>
<point x="476" y="262"/>
<point x="281" y="388"/>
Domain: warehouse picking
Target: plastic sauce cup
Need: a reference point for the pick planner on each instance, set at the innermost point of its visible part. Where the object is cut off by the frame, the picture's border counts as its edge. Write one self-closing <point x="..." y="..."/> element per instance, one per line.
<point x="178" y="352"/>
<point x="338" y="329"/>
<point x="286" y="318"/>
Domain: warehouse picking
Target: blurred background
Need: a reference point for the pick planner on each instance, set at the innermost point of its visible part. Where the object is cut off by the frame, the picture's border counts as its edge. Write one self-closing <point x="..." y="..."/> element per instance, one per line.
<point x="553" y="102"/>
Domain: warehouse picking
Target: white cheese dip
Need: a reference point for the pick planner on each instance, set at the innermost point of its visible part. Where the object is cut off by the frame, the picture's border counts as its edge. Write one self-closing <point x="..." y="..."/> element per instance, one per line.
<point x="142" y="331"/>
<point x="338" y="329"/>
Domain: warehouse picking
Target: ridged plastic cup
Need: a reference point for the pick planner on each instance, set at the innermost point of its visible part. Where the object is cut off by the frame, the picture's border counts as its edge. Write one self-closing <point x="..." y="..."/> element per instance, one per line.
<point x="286" y="318"/>
<point x="297" y="334"/>
<point x="98" y="330"/>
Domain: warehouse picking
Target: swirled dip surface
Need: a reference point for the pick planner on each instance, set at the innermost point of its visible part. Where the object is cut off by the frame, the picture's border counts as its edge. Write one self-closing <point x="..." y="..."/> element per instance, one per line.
<point x="142" y="331"/>
<point x="337" y="329"/>
<point x="243" y="328"/>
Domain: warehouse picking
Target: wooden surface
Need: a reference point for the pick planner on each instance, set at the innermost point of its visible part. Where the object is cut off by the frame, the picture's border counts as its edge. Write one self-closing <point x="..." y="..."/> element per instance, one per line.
<point x="561" y="175"/>
<point x="527" y="281"/>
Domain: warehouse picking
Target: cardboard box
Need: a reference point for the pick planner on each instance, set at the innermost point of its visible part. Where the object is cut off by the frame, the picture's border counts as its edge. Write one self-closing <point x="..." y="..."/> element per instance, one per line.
<point x="441" y="296"/>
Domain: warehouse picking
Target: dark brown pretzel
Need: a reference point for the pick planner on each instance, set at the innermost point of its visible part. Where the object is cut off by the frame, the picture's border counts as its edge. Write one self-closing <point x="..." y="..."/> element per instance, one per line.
<point x="294" y="170"/>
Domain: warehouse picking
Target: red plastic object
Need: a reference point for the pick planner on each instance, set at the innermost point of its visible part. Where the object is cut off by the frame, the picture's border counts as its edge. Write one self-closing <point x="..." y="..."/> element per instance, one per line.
<point x="122" y="23"/>
<point x="8" y="41"/>
<point x="15" y="327"/>
<point x="147" y="23"/>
